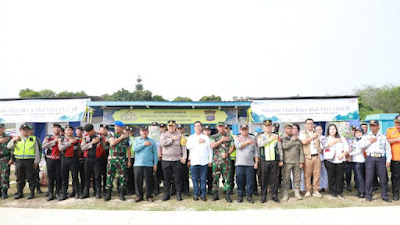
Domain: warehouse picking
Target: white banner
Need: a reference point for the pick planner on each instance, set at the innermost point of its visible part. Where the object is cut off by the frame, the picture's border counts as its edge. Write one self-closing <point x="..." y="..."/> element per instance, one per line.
<point x="298" y="110"/>
<point x="41" y="111"/>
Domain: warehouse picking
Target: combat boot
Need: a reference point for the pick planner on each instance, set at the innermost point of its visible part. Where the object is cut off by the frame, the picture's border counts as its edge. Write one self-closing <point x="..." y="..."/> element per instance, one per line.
<point x="4" y="195"/>
<point x="178" y="196"/>
<point x="98" y="193"/>
<point x="107" y="196"/>
<point x="85" y="194"/>
<point x="240" y="199"/>
<point x="51" y="196"/>
<point x="215" y="197"/>
<point x="19" y="195"/>
<point x="297" y="194"/>
<point x="228" y="197"/>
<point x="63" y="196"/>
<point x="122" y="195"/>
<point x="263" y="198"/>
<point x="166" y="196"/>
<point x="58" y="193"/>
<point x="250" y="199"/>
<point x="38" y="190"/>
<point x="31" y="194"/>
<point x="285" y="195"/>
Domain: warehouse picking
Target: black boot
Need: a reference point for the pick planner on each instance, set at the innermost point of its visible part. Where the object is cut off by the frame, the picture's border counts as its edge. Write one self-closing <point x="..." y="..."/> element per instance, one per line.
<point x="51" y="196"/>
<point x="107" y="196"/>
<point x="240" y="199"/>
<point x="166" y="196"/>
<point x="157" y="189"/>
<point x="122" y="195"/>
<point x="4" y="195"/>
<point x="58" y="193"/>
<point x="250" y="199"/>
<point x="31" y="194"/>
<point x="98" y="193"/>
<point x="38" y="190"/>
<point x="276" y="199"/>
<point x="178" y="196"/>
<point x="263" y="199"/>
<point x="63" y="196"/>
<point x="85" y="193"/>
<point x="228" y="197"/>
<point x="19" y="195"/>
<point x="215" y="197"/>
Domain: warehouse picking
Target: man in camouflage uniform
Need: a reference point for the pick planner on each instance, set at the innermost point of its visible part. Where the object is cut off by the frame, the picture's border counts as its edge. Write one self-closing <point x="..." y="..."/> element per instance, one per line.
<point x="5" y="156"/>
<point x="118" y="160"/>
<point x="222" y="144"/>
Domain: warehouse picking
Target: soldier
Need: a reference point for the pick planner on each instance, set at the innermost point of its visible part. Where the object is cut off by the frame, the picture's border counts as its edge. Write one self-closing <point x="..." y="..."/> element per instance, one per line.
<point x="5" y="156"/>
<point x="81" y="165"/>
<point x="26" y="156"/>
<point x="173" y="156"/>
<point x="207" y="132"/>
<point x="118" y="161"/>
<point x="70" y="150"/>
<point x="222" y="144"/>
<point x="269" y="157"/>
<point x="145" y="164"/>
<point x="378" y="158"/>
<point x="185" y="167"/>
<point x="293" y="161"/>
<point x="247" y="161"/>
<point x="92" y="145"/>
<point x="393" y="136"/>
<point x="50" y="143"/>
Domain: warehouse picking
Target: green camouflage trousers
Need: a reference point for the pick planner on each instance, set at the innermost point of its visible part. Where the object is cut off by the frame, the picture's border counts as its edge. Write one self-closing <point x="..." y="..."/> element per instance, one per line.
<point x="4" y="173"/>
<point x="118" y="166"/>
<point x="221" y="168"/>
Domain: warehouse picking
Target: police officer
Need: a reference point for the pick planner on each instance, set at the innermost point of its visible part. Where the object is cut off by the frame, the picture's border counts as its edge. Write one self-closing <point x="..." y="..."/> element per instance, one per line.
<point x="92" y="145"/>
<point x="378" y="158"/>
<point x="26" y="156"/>
<point x="222" y="144"/>
<point x="118" y="160"/>
<point x="5" y="156"/>
<point x="53" y="161"/>
<point x="69" y="149"/>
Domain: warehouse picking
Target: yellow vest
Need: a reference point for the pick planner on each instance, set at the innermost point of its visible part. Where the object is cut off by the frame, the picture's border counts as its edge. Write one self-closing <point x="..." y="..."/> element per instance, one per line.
<point x="25" y="149"/>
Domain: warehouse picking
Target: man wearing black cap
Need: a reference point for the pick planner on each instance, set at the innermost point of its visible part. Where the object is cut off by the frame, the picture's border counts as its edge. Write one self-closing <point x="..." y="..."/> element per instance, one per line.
<point x="26" y="156"/>
<point x="50" y="143"/>
<point x="185" y="167"/>
<point x="92" y="145"/>
<point x="81" y="165"/>
<point x="69" y="149"/>
<point x="379" y="156"/>
<point x="173" y="155"/>
<point x="222" y="144"/>
<point x="5" y="156"/>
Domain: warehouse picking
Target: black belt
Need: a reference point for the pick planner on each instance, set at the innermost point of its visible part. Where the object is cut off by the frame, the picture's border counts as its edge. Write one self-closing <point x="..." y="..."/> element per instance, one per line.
<point x="314" y="154"/>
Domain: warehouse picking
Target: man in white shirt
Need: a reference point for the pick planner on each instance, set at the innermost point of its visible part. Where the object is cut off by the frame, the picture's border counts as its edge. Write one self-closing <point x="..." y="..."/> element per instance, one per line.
<point x="200" y="156"/>
<point x="312" y="162"/>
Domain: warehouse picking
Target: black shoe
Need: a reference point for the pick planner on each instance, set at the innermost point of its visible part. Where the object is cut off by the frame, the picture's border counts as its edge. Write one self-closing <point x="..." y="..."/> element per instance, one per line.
<point x="358" y="194"/>
<point x="228" y="197"/>
<point x="107" y="196"/>
<point x="38" y="190"/>
<point x="51" y="196"/>
<point x="386" y="200"/>
<point x="240" y="199"/>
<point x="361" y="196"/>
<point x="250" y="199"/>
<point x="31" y="194"/>
<point x="63" y="197"/>
<point x="19" y="195"/>
<point x="203" y="198"/>
<point x="122" y="196"/>
<point x="178" y="196"/>
<point x="187" y="194"/>
<point x="166" y="197"/>
<point x="85" y="194"/>
<point x="276" y="199"/>
<point x="215" y="197"/>
<point x="395" y="198"/>
<point x="98" y="194"/>
<point x="263" y="199"/>
<point x="196" y="198"/>
<point x="4" y="195"/>
<point x="368" y="199"/>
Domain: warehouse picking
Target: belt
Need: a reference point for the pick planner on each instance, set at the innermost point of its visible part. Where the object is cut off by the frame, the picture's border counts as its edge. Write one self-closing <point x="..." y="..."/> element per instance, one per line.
<point x="314" y="154"/>
<point x="375" y="155"/>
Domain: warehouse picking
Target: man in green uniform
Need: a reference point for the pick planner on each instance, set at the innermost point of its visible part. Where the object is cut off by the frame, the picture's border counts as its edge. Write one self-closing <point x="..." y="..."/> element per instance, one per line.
<point x="118" y="160"/>
<point x="5" y="156"/>
<point x="222" y="144"/>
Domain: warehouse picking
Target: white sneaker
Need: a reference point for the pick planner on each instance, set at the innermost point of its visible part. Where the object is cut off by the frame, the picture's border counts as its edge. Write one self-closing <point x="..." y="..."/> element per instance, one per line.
<point x="317" y="194"/>
<point x="308" y="194"/>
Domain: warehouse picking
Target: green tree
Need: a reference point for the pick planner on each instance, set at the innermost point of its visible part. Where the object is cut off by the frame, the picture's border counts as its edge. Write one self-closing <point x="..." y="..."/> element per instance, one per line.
<point x="159" y="98"/>
<point x="142" y="95"/>
<point x="120" y="95"/>
<point x="182" y="99"/>
<point x="28" y="93"/>
<point x="241" y="99"/>
<point x="47" y="93"/>
<point x="211" y="98"/>
<point x="72" y="94"/>
<point x="139" y="85"/>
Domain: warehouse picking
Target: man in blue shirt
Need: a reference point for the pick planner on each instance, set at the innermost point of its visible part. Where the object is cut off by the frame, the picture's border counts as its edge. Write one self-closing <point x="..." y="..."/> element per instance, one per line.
<point x="146" y="160"/>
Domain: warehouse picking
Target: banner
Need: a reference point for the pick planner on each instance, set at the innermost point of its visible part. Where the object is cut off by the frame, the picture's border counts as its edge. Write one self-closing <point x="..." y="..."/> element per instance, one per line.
<point x="184" y="116"/>
<point x="41" y="111"/>
<point x="339" y="109"/>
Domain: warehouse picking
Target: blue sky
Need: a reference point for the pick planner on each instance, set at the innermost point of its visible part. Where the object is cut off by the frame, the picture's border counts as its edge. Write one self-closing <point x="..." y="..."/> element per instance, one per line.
<point x="196" y="48"/>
